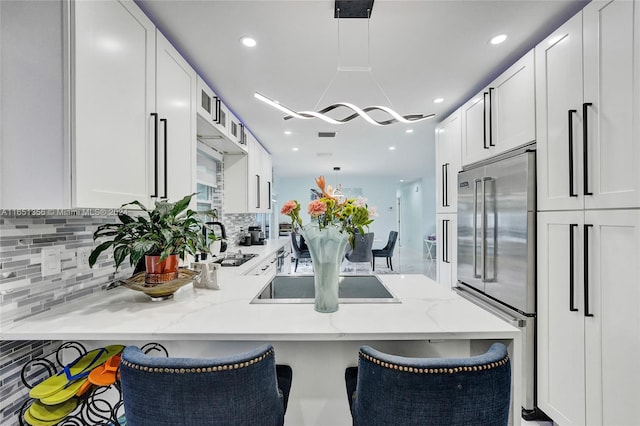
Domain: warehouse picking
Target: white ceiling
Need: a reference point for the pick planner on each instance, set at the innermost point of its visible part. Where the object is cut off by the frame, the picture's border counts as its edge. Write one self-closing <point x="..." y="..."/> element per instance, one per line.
<point x="418" y="50"/>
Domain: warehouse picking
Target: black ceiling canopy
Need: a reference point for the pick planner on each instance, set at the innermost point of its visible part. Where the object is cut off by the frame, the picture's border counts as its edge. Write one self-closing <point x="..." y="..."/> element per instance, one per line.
<point x="353" y="8"/>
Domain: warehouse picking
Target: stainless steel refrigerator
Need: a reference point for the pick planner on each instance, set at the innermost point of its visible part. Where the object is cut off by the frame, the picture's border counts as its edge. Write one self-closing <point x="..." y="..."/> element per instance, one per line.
<point x="496" y="248"/>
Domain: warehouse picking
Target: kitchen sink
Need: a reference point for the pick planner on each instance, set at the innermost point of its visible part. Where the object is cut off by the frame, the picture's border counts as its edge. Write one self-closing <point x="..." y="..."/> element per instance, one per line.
<point x="300" y="289"/>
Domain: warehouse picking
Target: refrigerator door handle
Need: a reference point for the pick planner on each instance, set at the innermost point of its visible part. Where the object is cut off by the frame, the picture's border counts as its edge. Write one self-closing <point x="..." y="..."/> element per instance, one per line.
<point x="475" y="228"/>
<point x="483" y="247"/>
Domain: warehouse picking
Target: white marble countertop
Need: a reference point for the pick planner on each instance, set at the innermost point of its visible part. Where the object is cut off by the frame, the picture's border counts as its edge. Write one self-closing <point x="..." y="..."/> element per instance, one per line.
<point x="427" y="311"/>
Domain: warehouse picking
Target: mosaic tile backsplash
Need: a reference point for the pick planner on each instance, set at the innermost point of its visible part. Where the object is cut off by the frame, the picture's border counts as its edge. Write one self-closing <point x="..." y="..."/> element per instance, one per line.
<point x="25" y="292"/>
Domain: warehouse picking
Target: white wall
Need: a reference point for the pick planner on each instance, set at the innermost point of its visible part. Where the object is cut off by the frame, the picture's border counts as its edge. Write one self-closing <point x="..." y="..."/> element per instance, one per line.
<point x="381" y="192"/>
<point x="417" y="211"/>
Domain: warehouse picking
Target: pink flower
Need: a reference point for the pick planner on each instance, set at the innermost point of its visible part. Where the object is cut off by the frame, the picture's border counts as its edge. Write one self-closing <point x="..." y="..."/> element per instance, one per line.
<point x="289" y="207"/>
<point x="317" y="208"/>
<point x="373" y="211"/>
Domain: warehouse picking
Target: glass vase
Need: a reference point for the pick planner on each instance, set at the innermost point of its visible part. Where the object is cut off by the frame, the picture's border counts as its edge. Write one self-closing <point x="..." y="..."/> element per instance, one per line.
<point x="326" y="246"/>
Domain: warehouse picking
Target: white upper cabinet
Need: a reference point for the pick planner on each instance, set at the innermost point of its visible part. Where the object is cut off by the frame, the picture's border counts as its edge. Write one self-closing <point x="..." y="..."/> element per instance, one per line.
<point x="247" y="180"/>
<point x="597" y="168"/>
<point x="214" y="121"/>
<point x="559" y="117"/>
<point x="475" y="146"/>
<point x="448" y="163"/>
<point x="611" y="112"/>
<point x="176" y="107"/>
<point x="512" y="108"/>
<point x="113" y="62"/>
<point x="501" y="117"/>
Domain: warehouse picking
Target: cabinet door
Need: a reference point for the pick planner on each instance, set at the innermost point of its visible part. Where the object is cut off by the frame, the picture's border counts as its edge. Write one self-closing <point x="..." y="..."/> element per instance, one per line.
<point x="175" y="100"/>
<point x="512" y="115"/>
<point x="446" y="238"/>
<point x="448" y="163"/>
<point x="475" y="146"/>
<point x="613" y="332"/>
<point x="559" y="118"/>
<point x="267" y="180"/>
<point x="113" y="96"/>
<point x="612" y="94"/>
<point x="255" y="175"/>
<point x="560" y="324"/>
<point x="206" y="102"/>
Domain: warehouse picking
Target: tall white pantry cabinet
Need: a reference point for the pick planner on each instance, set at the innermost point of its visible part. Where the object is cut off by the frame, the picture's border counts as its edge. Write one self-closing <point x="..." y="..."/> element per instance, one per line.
<point x="448" y="164"/>
<point x="588" y="139"/>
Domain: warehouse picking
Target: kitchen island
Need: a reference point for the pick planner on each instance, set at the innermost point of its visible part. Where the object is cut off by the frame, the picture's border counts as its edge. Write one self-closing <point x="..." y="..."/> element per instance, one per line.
<point x="429" y="321"/>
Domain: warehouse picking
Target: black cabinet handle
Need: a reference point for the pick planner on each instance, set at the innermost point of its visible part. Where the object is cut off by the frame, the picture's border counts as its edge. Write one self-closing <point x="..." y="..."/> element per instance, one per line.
<point x="484" y="120"/>
<point x="443" y="185"/>
<point x="446" y="185"/>
<point x="155" y="162"/>
<point x="445" y="241"/>
<point x="269" y="193"/>
<point x="571" y="192"/>
<point x="572" y="307"/>
<point x="490" y="118"/>
<point x="586" y="271"/>
<point x="585" y="154"/>
<point x="217" y="118"/>
<point x="257" y="191"/>
<point x="166" y="156"/>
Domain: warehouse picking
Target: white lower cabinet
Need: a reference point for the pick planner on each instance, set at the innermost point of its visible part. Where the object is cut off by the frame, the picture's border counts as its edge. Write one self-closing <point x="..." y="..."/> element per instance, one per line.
<point x="447" y="252"/>
<point x="588" y="317"/>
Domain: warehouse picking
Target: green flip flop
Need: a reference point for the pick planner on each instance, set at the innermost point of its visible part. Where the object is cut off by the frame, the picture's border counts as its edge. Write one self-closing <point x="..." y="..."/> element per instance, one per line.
<point x="49" y="413"/>
<point x="75" y="371"/>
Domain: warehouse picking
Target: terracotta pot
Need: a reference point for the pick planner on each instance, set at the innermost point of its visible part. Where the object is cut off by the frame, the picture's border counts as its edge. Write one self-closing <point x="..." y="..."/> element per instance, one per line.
<point x="160" y="272"/>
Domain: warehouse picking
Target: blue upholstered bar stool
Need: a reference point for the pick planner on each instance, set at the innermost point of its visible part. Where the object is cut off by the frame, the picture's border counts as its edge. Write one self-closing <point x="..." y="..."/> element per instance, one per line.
<point x="393" y="390"/>
<point x="243" y="389"/>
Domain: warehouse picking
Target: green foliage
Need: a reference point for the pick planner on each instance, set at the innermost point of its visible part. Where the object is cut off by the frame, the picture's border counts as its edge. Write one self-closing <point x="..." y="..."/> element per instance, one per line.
<point x="170" y="228"/>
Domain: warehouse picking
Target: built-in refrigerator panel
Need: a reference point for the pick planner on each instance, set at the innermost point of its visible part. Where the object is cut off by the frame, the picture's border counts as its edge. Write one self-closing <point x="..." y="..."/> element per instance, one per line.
<point x="496" y="230"/>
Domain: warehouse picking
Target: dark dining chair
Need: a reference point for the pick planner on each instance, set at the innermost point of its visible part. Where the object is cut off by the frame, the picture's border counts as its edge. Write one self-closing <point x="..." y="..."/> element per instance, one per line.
<point x="360" y="252"/>
<point x="242" y="389"/>
<point x="298" y="250"/>
<point x="386" y="251"/>
<point x="393" y="390"/>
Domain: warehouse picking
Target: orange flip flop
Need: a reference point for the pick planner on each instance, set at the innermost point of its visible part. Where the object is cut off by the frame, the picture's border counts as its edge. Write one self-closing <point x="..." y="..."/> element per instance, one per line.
<point x="105" y="374"/>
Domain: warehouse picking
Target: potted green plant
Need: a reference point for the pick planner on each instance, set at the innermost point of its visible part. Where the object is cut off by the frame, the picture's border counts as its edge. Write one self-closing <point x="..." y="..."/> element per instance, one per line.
<point x="160" y="236"/>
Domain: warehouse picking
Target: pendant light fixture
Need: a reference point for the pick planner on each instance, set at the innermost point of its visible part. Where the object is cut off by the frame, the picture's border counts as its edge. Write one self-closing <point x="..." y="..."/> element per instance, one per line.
<point x="354" y="111"/>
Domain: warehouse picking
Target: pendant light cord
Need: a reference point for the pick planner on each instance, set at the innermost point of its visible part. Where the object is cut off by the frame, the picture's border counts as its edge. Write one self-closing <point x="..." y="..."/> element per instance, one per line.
<point x="369" y="67"/>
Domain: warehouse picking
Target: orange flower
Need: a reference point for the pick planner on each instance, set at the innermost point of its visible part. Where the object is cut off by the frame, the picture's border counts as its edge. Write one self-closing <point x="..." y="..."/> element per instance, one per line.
<point x="317" y="208"/>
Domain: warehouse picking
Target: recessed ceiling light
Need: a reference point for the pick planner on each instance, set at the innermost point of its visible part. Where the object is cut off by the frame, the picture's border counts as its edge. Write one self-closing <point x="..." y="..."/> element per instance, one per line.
<point x="287" y="132"/>
<point x="409" y="131"/>
<point x="438" y="100"/>
<point x="295" y="148"/>
<point x="391" y="148"/>
<point x="401" y="180"/>
<point x="498" y="39"/>
<point x="248" y="41"/>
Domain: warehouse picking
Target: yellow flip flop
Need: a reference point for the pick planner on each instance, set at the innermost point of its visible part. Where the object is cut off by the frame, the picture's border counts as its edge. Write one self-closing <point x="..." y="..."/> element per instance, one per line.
<point x="72" y="376"/>
<point x="51" y="413"/>
<point x="30" y="420"/>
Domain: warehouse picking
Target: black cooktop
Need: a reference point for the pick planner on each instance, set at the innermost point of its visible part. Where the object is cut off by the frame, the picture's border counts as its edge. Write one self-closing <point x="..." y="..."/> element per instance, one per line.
<point x="235" y="259"/>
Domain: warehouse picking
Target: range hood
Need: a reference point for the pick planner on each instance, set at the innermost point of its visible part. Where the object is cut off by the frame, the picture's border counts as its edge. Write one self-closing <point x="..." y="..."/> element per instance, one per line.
<point x="212" y="137"/>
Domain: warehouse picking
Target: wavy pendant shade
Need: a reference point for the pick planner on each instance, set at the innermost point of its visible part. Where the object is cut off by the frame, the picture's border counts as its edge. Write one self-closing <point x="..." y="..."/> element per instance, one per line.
<point x="356" y="111"/>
